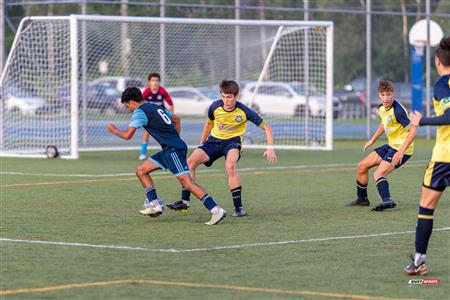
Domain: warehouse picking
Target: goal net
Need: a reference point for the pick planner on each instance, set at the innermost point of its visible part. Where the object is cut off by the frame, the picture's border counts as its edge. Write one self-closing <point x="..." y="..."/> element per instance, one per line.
<point x="63" y="78"/>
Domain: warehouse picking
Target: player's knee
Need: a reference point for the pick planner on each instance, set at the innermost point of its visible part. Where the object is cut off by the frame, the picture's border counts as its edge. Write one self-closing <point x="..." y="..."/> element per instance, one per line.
<point x="185" y="182"/>
<point x="231" y="168"/>
<point x="362" y="167"/>
<point x="191" y="163"/>
<point x="140" y="171"/>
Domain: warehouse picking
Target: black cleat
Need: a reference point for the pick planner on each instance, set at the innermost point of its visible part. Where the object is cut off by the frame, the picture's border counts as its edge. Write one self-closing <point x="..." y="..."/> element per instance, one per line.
<point x="178" y="205"/>
<point x="239" y="212"/>
<point x="358" y="202"/>
<point x="384" y="205"/>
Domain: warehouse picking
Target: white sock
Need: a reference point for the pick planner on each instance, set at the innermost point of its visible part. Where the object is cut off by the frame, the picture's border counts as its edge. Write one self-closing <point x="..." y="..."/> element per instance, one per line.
<point x="186" y="202"/>
<point x="215" y="210"/>
<point x="419" y="258"/>
<point x="155" y="202"/>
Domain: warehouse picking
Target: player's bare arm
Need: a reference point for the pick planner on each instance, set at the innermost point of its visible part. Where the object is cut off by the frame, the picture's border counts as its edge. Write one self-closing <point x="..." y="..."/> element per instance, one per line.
<point x="375" y="137"/>
<point x="398" y="156"/>
<point x="269" y="154"/>
<point x="176" y="122"/>
<point x="206" y="131"/>
<point x="123" y="134"/>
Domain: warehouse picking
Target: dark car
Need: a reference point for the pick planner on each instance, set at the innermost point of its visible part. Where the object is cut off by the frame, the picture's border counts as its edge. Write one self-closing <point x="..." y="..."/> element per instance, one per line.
<point x="402" y="93"/>
<point x="352" y="97"/>
<point x="98" y="97"/>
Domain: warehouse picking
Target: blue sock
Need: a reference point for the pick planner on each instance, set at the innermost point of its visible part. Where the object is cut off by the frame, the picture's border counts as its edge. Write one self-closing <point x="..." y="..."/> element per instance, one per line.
<point x="383" y="189"/>
<point x="423" y="229"/>
<point x="144" y="149"/>
<point x="236" y="193"/>
<point x="208" y="202"/>
<point x="185" y="195"/>
<point x="151" y="193"/>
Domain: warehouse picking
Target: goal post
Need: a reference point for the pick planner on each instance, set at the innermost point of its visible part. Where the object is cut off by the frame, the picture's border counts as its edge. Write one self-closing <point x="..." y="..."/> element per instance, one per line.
<point x="63" y="78"/>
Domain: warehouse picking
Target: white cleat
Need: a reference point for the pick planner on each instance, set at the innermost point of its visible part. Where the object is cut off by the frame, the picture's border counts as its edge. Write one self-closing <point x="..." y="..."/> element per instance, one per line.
<point x="153" y="210"/>
<point x="217" y="217"/>
<point x="142" y="157"/>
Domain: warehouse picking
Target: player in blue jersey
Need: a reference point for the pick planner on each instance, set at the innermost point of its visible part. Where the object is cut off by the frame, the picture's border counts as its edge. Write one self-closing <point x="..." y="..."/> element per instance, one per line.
<point x="164" y="127"/>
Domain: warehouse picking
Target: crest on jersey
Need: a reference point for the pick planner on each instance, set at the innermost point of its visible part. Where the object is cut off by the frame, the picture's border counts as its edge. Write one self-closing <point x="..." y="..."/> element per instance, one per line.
<point x="239" y="118"/>
<point x="389" y="118"/>
<point x="159" y="97"/>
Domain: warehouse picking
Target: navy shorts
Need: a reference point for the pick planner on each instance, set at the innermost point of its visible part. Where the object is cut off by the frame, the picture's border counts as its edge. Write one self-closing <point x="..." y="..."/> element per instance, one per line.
<point x="172" y="159"/>
<point x="216" y="148"/>
<point x="437" y="176"/>
<point x="386" y="153"/>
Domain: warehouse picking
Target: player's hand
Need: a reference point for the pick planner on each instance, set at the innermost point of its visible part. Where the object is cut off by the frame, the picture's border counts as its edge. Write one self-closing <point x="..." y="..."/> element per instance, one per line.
<point x="270" y="155"/>
<point x="415" y="118"/>
<point x="367" y="145"/>
<point x="112" y="128"/>
<point x="397" y="158"/>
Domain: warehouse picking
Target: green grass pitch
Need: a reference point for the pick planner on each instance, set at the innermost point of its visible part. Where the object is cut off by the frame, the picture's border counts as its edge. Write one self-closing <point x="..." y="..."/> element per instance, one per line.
<point x="300" y="201"/>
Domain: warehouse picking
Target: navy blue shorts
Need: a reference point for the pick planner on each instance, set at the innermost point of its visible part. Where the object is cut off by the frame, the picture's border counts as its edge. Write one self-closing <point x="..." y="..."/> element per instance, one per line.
<point x="216" y="148"/>
<point x="172" y="159"/>
<point x="437" y="176"/>
<point x="386" y="153"/>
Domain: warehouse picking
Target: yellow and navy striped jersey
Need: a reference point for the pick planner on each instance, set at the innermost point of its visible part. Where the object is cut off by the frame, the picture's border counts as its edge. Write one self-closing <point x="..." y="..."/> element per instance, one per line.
<point x="395" y="121"/>
<point x="441" y="101"/>
<point x="229" y="124"/>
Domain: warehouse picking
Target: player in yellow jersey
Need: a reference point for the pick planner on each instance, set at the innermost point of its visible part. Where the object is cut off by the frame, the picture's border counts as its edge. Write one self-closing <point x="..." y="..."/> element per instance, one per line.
<point x="396" y="124"/>
<point x="437" y="174"/>
<point x="221" y="136"/>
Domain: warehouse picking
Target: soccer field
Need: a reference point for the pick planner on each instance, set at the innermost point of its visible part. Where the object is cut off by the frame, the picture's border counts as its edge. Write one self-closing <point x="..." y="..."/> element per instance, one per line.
<point x="70" y="230"/>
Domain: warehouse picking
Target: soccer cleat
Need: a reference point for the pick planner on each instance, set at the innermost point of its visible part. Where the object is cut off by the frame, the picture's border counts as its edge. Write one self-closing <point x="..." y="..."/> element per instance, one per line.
<point x="422" y="269"/>
<point x="239" y="212"/>
<point x="153" y="210"/>
<point x="217" y="217"/>
<point x="142" y="157"/>
<point x="358" y="202"/>
<point x="384" y="205"/>
<point x="179" y="205"/>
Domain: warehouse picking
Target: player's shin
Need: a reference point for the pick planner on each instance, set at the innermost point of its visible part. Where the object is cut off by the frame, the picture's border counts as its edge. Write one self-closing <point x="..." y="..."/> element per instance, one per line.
<point x="424" y="229"/>
<point x="185" y="196"/>
<point x="236" y="194"/>
<point x="383" y="189"/>
<point x="361" y="190"/>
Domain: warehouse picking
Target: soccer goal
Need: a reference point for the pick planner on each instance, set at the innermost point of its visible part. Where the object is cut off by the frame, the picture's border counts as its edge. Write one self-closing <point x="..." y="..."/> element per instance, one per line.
<point x="63" y="77"/>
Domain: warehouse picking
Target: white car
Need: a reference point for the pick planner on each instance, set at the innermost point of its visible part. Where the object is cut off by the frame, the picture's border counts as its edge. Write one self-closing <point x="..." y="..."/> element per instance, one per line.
<point x="189" y="101"/>
<point x="18" y="100"/>
<point x="120" y="83"/>
<point x="279" y="98"/>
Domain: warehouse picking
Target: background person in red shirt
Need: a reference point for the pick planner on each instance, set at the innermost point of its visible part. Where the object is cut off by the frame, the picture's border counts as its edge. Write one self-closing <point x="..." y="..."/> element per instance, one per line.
<point x="158" y="95"/>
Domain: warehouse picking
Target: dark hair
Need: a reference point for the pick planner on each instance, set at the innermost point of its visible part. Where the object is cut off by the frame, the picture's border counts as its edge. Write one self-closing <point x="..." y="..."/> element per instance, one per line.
<point x="443" y="51"/>
<point x="385" y="86"/>
<point x="229" y="87"/>
<point x="151" y="75"/>
<point x="131" y="94"/>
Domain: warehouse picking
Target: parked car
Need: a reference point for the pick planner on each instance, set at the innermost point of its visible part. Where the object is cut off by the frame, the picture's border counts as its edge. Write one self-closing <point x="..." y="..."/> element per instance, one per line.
<point x="282" y="98"/>
<point x="98" y="96"/>
<point x="189" y="101"/>
<point x="120" y="83"/>
<point x="24" y="102"/>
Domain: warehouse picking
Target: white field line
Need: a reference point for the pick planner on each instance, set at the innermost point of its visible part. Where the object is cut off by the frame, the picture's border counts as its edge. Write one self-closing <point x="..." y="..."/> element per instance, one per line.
<point x="268" y="168"/>
<point x="238" y="246"/>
